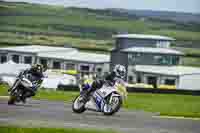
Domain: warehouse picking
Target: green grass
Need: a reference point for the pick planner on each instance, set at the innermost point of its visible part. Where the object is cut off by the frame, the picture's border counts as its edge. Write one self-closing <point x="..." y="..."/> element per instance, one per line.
<point x="6" y="129"/>
<point x="46" y="94"/>
<point x="189" y="51"/>
<point x="14" y="38"/>
<point x="3" y="90"/>
<point x="56" y="25"/>
<point x="191" y="61"/>
<point x="165" y="104"/>
<point x="56" y="95"/>
<point x="177" y="34"/>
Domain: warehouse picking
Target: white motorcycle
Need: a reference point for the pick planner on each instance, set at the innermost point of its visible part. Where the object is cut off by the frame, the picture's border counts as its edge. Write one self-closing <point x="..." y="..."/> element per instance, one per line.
<point x="107" y="99"/>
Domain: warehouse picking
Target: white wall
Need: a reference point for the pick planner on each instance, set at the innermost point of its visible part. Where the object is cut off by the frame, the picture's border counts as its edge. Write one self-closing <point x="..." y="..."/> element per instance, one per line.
<point x="189" y="82"/>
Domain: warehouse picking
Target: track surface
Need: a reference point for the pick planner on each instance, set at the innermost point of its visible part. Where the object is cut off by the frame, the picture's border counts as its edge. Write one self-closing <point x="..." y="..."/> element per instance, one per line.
<point x="58" y="114"/>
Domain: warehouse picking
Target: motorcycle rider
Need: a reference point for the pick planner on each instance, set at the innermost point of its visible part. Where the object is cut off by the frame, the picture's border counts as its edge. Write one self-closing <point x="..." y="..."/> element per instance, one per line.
<point x="35" y="75"/>
<point x="117" y="74"/>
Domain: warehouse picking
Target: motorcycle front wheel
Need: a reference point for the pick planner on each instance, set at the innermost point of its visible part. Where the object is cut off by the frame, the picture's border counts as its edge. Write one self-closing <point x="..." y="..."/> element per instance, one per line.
<point x="78" y="105"/>
<point x="113" y="106"/>
<point x="11" y="100"/>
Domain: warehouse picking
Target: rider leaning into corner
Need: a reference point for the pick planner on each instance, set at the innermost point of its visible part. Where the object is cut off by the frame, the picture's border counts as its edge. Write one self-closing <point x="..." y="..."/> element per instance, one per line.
<point x="35" y="75"/>
<point x="116" y="75"/>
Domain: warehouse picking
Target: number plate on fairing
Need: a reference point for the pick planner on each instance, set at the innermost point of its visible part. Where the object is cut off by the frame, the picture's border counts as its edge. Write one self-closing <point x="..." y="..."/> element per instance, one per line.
<point x="105" y="91"/>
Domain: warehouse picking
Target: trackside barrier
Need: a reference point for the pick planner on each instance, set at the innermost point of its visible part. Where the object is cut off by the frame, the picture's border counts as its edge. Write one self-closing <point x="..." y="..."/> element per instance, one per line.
<point x="164" y="91"/>
<point x="143" y="90"/>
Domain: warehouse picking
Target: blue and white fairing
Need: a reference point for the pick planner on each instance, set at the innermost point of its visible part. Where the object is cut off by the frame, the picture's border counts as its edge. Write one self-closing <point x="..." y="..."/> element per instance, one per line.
<point x="99" y="100"/>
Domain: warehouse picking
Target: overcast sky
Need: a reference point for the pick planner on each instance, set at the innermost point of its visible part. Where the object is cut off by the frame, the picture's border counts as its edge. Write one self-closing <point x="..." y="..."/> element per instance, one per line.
<point x="166" y="5"/>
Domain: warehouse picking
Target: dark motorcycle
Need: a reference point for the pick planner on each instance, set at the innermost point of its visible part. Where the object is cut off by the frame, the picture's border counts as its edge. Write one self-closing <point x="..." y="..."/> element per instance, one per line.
<point x="20" y="88"/>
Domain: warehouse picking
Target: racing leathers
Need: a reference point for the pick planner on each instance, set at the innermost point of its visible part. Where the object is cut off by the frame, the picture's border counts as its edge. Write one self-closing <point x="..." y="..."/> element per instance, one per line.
<point x="36" y="79"/>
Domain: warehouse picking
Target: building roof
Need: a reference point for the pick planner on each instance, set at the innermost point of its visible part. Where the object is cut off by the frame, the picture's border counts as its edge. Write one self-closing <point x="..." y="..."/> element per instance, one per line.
<point x="167" y="70"/>
<point x="144" y="36"/>
<point x="60" y="53"/>
<point x="35" y="48"/>
<point x="152" y="50"/>
<point x="77" y="56"/>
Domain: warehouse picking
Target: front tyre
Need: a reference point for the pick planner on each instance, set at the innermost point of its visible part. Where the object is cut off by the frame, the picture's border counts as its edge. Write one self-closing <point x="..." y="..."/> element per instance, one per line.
<point x="113" y="106"/>
<point x="78" y="105"/>
<point x="12" y="100"/>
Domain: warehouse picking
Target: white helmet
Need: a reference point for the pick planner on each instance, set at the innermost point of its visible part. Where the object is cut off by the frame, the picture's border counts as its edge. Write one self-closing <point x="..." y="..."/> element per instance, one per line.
<point x="120" y="71"/>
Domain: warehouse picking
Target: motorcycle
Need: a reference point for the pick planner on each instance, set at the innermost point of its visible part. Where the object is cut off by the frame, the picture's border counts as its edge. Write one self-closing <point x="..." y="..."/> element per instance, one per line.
<point x="108" y="99"/>
<point x="21" y="86"/>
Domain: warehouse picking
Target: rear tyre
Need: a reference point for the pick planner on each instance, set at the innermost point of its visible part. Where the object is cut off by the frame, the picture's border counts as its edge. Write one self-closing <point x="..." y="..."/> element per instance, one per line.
<point x="11" y="100"/>
<point x="109" y="110"/>
<point x="78" y="105"/>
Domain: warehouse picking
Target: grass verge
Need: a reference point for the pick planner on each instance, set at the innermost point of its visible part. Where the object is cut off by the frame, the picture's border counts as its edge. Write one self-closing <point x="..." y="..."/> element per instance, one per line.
<point x="56" y="95"/>
<point x="165" y="104"/>
<point x="6" y="129"/>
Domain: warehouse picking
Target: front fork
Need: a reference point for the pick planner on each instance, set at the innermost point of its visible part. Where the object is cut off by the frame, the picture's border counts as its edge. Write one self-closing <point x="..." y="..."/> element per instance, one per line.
<point x="14" y="86"/>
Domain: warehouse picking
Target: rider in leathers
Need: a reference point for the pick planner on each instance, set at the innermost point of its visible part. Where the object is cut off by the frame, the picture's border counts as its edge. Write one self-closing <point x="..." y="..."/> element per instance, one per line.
<point x="35" y="75"/>
<point x="118" y="73"/>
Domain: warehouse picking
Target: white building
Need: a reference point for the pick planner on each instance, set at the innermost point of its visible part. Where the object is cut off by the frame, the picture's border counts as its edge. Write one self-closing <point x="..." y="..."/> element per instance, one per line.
<point x="182" y="77"/>
<point x="149" y="59"/>
<point x="57" y="58"/>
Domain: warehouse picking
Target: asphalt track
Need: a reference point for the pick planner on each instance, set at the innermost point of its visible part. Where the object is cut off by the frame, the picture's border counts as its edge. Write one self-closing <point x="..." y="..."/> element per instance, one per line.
<point x="59" y="114"/>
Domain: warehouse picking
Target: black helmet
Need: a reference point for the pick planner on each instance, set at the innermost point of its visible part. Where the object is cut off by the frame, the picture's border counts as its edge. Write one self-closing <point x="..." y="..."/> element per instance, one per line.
<point x="38" y="68"/>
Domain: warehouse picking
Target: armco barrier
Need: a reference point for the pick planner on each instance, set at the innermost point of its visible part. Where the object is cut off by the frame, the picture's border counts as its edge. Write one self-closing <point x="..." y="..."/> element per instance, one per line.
<point x="164" y="91"/>
<point x="68" y="88"/>
<point x="143" y="90"/>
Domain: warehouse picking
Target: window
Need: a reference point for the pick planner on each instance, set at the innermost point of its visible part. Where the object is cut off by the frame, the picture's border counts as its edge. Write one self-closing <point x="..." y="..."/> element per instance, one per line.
<point x="132" y="58"/>
<point x="175" y="60"/>
<point x="56" y="65"/>
<point x="152" y="80"/>
<point x="166" y="60"/>
<point x="130" y="79"/>
<point x="170" y="81"/>
<point x="163" y="44"/>
<point x="43" y="62"/>
<point x="70" y="66"/>
<point x="15" y="58"/>
<point x="85" y="68"/>
<point x="3" y="58"/>
<point x="139" y="78"/>
<point x="99" y="70"/>
<point x="162" y="60"/>
<point x="158" y="59"/>
<point x="27" y="60"/>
